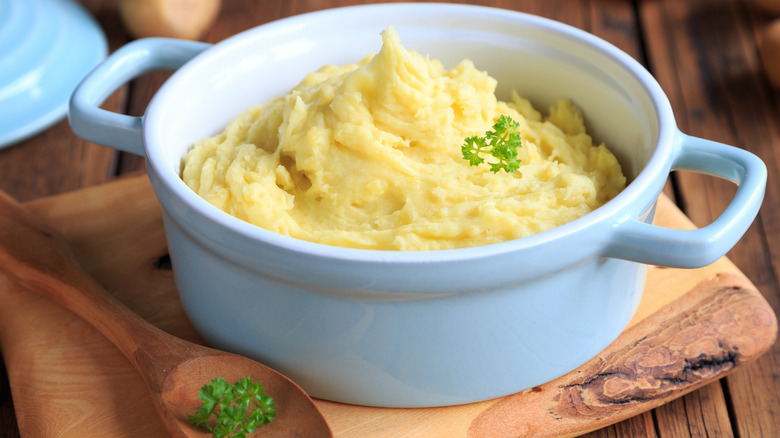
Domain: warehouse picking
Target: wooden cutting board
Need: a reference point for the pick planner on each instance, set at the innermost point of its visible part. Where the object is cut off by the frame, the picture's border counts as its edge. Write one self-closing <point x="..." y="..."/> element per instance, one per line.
<point x="692" y="327"/>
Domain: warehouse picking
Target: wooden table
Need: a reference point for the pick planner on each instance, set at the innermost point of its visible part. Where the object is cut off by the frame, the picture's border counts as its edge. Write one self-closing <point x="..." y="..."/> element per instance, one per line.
<point x="703" y="52"/>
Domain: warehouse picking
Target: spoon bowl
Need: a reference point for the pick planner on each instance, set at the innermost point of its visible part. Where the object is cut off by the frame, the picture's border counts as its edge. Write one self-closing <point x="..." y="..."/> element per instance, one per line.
<point x="176" y="396"/>
<point x="34" y="256"/>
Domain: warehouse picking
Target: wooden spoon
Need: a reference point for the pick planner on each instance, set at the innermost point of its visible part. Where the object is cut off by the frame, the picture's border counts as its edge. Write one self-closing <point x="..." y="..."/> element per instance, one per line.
<point x="37" y="258"/>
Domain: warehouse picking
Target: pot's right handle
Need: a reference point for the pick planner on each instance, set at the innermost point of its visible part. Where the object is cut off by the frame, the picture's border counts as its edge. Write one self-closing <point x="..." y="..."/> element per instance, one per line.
<point x="121" y="131"/>
<point x="645" y="243"/>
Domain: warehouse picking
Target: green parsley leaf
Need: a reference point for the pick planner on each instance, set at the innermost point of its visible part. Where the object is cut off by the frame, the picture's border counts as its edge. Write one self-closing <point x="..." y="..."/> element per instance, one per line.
<point x="501" y="143"/>
<point x="239" y="409"/>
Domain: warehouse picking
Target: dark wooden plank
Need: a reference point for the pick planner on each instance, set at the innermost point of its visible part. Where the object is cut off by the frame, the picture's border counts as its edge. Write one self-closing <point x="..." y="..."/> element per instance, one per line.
<point x="700" y="413"/>
<point x="640" y="426"/>
<point x="52" y="162"/>
<point x="8" y="426"/>
<point x="707" y="418"/>
<point x="713" y="44"/>
<point x="672" y="420"/>
<point x="637" y="427"/>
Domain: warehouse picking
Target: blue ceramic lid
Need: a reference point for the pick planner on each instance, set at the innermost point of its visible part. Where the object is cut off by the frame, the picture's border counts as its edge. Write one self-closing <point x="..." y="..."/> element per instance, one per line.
<point x="46" y="48"/>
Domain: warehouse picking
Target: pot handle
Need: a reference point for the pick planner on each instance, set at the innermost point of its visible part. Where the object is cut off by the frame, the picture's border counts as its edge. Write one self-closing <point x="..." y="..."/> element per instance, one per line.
<point x="121" y="131"/>
<point x="645" y="243"/>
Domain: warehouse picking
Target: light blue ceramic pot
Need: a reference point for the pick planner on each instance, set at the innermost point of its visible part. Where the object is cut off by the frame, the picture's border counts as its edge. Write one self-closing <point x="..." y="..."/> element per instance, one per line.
<point x="417" y="328"/>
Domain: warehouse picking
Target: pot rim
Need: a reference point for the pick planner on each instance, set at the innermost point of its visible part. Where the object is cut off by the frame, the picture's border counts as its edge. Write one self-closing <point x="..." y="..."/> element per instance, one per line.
<point x="612" y="212"/>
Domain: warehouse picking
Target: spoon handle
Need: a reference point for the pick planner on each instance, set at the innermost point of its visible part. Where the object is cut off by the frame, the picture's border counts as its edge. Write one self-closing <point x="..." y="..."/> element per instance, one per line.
<point x="36" y="257"/>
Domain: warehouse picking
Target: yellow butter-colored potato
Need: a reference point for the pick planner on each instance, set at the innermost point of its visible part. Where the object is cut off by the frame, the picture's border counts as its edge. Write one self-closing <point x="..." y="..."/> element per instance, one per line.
<point x="369" y="156"/>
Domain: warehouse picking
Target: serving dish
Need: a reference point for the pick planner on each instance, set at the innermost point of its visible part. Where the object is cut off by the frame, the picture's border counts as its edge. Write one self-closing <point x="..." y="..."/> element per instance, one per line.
<point x="46" y="48"/>
<point x="417" y="328"/>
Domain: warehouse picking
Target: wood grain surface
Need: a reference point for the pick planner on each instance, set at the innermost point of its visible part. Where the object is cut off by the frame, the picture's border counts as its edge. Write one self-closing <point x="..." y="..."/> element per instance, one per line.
<point x="703" y="53"/>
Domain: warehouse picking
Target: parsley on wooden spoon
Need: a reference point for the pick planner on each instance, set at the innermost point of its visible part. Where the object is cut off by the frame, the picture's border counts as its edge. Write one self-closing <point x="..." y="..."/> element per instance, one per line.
<point x="34" y="256"/>
<point x="238" y="409"/>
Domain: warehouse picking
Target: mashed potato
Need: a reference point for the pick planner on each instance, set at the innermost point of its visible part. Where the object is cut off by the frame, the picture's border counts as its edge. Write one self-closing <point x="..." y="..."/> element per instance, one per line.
<point x="369" y="156"/>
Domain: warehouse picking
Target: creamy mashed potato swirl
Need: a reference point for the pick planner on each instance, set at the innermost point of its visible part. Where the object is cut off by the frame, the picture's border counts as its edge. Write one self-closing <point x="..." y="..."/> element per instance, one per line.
<point x="368" y="156"/>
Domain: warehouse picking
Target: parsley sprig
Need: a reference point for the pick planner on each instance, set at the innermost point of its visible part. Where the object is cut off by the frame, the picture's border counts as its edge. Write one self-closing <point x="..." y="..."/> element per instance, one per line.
<point x="501" y="143"/>
<point x="239" y="408"/>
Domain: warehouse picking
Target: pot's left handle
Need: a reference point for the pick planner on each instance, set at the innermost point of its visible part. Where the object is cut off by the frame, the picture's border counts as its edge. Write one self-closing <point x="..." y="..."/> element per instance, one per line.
<point x="121" y="131"/>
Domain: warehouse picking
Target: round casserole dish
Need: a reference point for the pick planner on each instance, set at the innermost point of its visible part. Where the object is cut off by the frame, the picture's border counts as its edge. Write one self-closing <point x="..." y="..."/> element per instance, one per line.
<point x="417" y="328"/>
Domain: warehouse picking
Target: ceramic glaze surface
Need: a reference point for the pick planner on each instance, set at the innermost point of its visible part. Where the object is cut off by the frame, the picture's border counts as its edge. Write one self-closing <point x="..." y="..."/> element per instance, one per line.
<point x="46" y="48"/>
<point x="419" y="328"/>
<point x="406" y="349"/>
